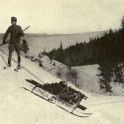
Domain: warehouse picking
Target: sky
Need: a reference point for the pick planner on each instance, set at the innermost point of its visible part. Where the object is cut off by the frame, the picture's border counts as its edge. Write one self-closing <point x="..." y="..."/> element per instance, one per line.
<point x="62" y="16"/>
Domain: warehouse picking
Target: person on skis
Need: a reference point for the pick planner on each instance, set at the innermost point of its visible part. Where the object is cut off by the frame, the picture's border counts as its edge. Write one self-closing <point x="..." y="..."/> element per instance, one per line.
<point x="16" y="33"/>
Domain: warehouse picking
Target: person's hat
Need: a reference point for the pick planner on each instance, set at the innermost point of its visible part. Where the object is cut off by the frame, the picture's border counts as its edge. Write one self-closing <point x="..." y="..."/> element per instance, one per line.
<point x="13" y="19"/>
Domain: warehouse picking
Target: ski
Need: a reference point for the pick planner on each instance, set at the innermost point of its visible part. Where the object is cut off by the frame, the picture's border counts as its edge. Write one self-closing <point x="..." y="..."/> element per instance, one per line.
<point x="6" y="67"/>
<point x="17" y="69"/>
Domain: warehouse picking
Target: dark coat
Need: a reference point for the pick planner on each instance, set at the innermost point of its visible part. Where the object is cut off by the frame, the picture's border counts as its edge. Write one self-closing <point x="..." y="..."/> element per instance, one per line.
<point x="15" y="32"/>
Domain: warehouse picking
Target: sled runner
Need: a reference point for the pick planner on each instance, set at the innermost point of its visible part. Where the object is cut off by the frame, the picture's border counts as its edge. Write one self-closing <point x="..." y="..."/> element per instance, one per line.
<point x="61" y="95"/>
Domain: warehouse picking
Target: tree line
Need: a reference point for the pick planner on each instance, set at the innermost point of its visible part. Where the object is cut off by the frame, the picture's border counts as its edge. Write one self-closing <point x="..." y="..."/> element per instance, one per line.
<point x="107" y="51"/>
<point x="109" y="47"/>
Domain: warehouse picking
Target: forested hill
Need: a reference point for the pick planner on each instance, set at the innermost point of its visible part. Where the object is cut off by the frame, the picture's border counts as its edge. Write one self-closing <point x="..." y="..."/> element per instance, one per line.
<point x="109" y="47"/>
<point x="107" y="51"/>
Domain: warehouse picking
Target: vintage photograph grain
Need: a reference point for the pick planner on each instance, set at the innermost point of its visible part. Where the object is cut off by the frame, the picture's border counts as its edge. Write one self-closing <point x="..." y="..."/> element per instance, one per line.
<point x="61" y="61"/>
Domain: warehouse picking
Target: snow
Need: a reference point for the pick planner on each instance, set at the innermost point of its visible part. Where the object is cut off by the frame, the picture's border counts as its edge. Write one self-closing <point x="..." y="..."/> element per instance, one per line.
<point x="18" y="106"/>
<point x="87" y="76"/>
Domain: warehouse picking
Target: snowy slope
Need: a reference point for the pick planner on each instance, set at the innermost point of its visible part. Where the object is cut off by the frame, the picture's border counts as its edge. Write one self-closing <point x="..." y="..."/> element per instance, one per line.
<point x="18" y="106"/>
<point x="88" y="76"/>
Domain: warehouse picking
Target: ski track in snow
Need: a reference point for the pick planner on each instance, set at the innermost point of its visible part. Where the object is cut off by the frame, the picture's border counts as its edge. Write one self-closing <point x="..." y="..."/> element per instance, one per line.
<point x="18" y="106"/>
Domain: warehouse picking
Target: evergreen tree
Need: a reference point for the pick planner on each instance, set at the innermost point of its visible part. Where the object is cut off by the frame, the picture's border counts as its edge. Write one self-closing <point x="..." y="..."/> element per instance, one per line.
<point x="24" y="46"/>
<point x="118" y="71"/>
<point x="122" y="23"/>
<point x="105" y="76"/>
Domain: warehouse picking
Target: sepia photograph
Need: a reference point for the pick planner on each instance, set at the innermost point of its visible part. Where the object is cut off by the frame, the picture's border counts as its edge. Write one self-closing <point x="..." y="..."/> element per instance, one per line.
<point x="62" y="62"/>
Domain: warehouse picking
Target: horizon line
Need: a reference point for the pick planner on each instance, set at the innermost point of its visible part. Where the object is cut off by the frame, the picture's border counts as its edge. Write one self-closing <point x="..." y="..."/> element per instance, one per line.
<point x="69" y="33"/>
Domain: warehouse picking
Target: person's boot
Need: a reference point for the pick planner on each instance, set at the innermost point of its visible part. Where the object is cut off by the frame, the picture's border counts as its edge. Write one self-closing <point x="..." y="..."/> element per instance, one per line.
<point x="9" y="63"/>
<point x="18" y="67"/>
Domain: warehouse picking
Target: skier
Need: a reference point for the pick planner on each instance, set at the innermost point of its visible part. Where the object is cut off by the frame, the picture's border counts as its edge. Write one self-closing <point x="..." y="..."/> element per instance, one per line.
<point x="16" y="33"/>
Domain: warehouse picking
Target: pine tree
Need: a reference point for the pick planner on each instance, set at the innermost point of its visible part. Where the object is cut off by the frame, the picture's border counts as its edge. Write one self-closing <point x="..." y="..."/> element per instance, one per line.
<point x="122" y="23"/>
<point x="119" y="73"/>
<point x="61" y="46"/>
<point x="24" y="46"/>
<point x="105" y="76"/>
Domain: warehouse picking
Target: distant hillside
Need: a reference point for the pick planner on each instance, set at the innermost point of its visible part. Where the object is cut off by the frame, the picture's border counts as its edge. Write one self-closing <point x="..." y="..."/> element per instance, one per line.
<point x="39" y="42"/>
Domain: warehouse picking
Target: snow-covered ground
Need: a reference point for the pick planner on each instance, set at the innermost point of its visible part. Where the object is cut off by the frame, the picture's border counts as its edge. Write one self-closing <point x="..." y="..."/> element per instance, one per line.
<point x="87" y="77"/>
<point x="18" y="106"/>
